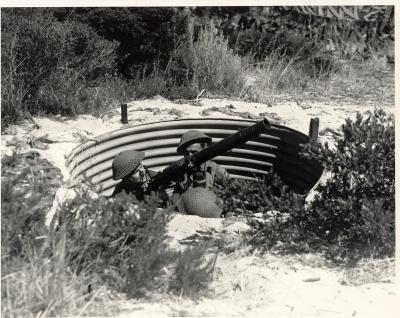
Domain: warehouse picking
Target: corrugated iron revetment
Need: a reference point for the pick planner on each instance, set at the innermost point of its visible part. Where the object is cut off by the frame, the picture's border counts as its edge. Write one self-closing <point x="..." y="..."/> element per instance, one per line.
<point x="279" y="149"/>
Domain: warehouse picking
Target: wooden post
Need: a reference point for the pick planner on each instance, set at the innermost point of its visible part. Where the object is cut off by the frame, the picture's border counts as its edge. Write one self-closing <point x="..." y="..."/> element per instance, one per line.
<point x="314" y="127"/>
<point x="124" y="113"/>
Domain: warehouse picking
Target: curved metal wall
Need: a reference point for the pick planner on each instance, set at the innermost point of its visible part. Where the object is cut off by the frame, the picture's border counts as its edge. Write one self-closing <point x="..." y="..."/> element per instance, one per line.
<point x="278" y="149"/>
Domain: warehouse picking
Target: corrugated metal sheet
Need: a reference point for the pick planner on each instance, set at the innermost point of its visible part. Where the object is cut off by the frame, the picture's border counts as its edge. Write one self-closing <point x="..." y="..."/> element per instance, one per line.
<point x="278" y="148"/>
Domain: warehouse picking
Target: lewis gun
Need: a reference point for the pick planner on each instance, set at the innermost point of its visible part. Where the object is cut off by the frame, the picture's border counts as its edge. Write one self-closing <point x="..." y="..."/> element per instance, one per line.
<point x="187" y="163"/>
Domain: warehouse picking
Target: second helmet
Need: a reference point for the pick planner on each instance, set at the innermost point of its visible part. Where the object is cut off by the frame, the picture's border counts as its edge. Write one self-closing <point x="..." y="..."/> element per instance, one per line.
<point x="190" y="137"/>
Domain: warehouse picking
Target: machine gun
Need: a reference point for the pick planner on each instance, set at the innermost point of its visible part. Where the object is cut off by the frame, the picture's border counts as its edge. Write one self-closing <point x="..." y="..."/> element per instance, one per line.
<point x="187" y="163"/>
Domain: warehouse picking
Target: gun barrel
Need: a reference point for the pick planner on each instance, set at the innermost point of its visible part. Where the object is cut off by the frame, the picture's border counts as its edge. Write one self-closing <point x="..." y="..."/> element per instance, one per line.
<point x="214" y="150"/>
<point x="230" y="142"/>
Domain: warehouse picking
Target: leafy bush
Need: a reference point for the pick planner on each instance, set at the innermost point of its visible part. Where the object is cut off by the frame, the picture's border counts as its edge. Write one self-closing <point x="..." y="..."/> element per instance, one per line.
<point x="22" y="214"/>
<point x="246" y="197"/>
<point x="354" y="210"/>
<point x="98" y="242"/>
<point x="352" y="215"/>
<point x="192" y="273"/>
<point x="144" y="34"/>
<point x="207" y="62"/>
<point x="27" y="186"/>
<point x="151" y="86"/>
<point x="36" y="278"/>
<point x="47" y="64"/>
<point x="124" y="241"/>
<point x="116" y="235"/>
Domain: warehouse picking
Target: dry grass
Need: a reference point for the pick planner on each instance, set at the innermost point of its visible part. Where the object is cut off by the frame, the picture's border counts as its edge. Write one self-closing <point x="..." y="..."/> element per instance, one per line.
<point x="209" y="63"/>
<point x="270" y="75"/>
<point x="370" y="271"/>
<point x="45" y="286"/>
<point x="355" y="81"/>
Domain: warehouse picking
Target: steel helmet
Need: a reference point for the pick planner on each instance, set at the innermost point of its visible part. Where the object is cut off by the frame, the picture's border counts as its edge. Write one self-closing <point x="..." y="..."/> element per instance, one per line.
<point x="190" y="137"/>
<point x="201" y="202"/>
<point x="126" y="162"/>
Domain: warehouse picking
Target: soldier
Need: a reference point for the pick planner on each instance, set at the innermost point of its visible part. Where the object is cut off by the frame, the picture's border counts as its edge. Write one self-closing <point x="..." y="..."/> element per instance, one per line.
<point x="199" y="200"/>
<point x="127" y="165"/>
<point x="190" y="143"/>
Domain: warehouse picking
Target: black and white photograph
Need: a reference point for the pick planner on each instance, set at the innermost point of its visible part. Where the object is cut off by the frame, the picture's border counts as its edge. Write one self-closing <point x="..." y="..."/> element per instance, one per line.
<point x="198" y="160"/>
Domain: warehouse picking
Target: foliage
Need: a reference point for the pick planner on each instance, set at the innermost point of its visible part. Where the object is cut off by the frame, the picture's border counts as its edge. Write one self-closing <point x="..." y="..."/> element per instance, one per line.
<point x="145" y="35"/>
<point x="207" y="62"/>
<point x="94" y="243"/>
<point x="125" y="242"/>
<point x="321" y="28"/>
<point x="47" y="287"/>
<point x="192" y="274"/>
<point x="354" y="210"/>
<point x="28" y="183"/>
<point x="352" y="215"/>
<point x="258" y="196"/>
<point x="47" y="65"/>
<point x="22" y="220"/>
<point x="70" y="60"/>
<point x="116" y="235"/>
<point x="37" y="280"/>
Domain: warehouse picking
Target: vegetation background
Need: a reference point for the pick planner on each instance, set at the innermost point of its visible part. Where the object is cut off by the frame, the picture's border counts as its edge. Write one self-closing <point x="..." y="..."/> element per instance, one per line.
<point x="73" y="61"/>
<point x="81" y="60"/>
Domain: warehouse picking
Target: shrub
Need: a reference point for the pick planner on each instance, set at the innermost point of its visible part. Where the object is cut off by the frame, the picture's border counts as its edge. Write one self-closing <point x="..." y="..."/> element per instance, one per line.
<point x="43" y="285"/>
<point x="296" y="74"/>
<point x="27" y="186"/>
<point x="208" y="63"/>
<point x="22" y="214"/>
<point x="117" y="235"/>
<point x="36" y="278"/>
<point x="151" y="86"/>
<point x="247" y="197"/>
<point x="99" y="242"/>
<point x="352" y="216"/>
<point x="354" y="210"/>
<point x="46" y="64"/>
<point x="108" y="94"/>
<point x="192" y="273"/>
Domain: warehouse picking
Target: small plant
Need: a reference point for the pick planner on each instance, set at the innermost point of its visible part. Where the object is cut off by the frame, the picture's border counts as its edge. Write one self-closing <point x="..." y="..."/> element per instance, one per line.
<point x="28" y="183"/>
<point x="151" y="86"/>
<point x="207" y="62"/>
<point x="258" y="196"/>
<point x="192" y="273"/>
<point x="44" y="285"/>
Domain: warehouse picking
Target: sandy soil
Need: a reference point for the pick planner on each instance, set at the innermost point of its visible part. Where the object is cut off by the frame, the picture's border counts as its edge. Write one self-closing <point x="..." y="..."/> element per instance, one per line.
<point x="255" y="285"/>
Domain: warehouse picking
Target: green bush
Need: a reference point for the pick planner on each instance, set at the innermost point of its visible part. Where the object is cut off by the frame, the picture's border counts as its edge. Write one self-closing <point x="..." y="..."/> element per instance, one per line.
<point x="47" y="64"/>
<point x="22" y="214"/>
<point x="207" y="62"/>
<point x="192" y="273"/>
<point x="354" y="210"/>
<point x="124" y="241"/>
<point x="95" y="243"/>
<point x="27" y="188"/>
<point x="118" y="235"/>
<point x="352" y="215"/>
<point x="258" y="196"/>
